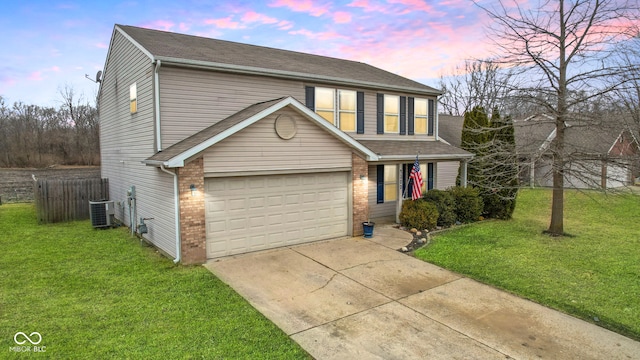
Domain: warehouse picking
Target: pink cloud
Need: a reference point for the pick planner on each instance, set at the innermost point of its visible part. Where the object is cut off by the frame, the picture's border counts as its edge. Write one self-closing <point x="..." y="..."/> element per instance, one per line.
<point x="183" y="27"/>
<point x="160" y="25"/>
<point x="224" y="23"/>
<point x="306" y="6"/>
<point x="341" y="17"/>
<point x="285" y="25"/>
<point x="414" y="5"/>
<point x="101" y="45"/>
<point x="253" y="16"/>
<point x="55" y="68"/>
<point x="35" y="76"/>
<point x="326" y="35"/>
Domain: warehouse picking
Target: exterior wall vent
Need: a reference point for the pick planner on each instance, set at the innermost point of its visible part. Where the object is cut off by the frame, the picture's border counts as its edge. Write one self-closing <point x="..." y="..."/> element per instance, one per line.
<point x="101" y="213"/>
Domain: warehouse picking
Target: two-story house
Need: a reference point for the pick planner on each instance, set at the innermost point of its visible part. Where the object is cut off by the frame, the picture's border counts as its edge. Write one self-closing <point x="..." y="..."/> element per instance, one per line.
<point x="225" y="148"/>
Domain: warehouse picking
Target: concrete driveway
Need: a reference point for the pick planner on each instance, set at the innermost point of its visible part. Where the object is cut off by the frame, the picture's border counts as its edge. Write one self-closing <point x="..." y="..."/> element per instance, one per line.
<point x="356" y="298"/>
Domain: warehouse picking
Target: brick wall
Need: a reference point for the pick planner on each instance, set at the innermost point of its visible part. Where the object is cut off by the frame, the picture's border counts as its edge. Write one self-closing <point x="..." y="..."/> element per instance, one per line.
<point x="192" y="215"/>
<point x="360" y="193"/>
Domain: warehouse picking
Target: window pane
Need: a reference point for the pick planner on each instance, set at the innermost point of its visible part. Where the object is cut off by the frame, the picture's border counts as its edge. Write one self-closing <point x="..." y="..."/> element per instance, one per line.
<point x="347" y="121"/>
<point x="390" y="193"/>
<point x="421" y="107"/>
<point x="420" y="125"/>
<point x="133" y="98"/>
<point x="324" y="99"/>
<point x="391" y="123"/>
<point x="347" y="100"/>
<point x="327" y="115"/>
<point x="391" y="104"/>
<point x="390" y="173"/>
<point x="423" y="172"/>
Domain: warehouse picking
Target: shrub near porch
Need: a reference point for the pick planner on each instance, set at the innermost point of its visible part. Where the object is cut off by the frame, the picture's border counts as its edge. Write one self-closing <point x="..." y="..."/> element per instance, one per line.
<point x="593" y="275"/>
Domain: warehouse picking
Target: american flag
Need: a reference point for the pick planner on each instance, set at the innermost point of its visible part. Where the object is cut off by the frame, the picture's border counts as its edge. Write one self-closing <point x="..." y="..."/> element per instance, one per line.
<point x="416" y="176"/>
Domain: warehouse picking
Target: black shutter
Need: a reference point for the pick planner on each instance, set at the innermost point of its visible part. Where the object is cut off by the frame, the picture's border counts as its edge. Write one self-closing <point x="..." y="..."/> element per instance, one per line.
<point x="411" y="116"/>
<point x="380" y="183"/>
<point x="360" y="112"/>
<point x="429" y="176"/>
<point x="403" y="115"/>
<point x="310" y="97"/>
<point x="380" y="112"/>
<point x="431" y="116"/>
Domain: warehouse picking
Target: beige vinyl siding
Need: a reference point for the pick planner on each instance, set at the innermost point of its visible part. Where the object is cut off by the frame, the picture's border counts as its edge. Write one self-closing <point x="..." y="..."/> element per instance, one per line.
<point x="192" y="100"/>
<point x="126" y="139"/>
<point x="258" y="148"/>
<point x="378" y="210"/>
<point x="446" y="174"/>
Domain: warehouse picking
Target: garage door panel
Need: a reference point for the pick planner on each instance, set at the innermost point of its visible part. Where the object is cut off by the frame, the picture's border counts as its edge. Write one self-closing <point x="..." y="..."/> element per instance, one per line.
<point x="253" y="213"/>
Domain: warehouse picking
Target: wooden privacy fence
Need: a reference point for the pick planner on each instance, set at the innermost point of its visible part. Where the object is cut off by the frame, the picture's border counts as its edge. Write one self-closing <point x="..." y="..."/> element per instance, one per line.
<point x="67" y="200"/>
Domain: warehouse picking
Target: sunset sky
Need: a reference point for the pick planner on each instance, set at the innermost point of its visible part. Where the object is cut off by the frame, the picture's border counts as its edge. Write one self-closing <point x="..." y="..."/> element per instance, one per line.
<point x="46" y="45"/>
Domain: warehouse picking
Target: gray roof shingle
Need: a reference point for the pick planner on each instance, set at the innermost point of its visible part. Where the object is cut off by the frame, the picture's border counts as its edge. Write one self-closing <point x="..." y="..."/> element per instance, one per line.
<point x="408" y="149"/>
<point x="181" y="48"/>
<point x="450" y="128"/>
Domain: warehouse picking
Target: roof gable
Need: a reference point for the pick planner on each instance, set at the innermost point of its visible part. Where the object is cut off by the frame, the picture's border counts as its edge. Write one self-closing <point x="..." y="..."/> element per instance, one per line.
<point x="177" y="154"/>
<point x="187" y="50"/>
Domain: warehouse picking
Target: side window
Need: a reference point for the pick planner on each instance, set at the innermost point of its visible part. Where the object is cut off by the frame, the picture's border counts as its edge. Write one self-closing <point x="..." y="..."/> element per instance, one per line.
<point x="391" y="114"/>
<point x="420" y="116"/>
<point x="133" y="98"/>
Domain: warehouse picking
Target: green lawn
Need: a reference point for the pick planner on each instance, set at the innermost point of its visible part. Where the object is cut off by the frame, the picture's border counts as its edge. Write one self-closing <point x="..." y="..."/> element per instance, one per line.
<point x="98" y="294"/>
<point x="594" y="274"/>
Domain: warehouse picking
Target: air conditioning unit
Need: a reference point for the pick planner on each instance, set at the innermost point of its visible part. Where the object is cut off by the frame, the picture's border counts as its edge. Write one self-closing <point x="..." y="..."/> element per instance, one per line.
<point x="101" y="213"/>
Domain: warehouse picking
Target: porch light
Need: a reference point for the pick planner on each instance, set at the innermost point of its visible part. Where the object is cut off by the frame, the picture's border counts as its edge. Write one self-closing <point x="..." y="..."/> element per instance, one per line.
<point x="363" y="177"/>
<point x="193" y="189"/>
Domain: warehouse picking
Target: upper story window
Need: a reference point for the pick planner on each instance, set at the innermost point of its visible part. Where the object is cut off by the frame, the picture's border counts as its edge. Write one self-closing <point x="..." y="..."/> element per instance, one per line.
<point x="337" y="107"/>
<point x="391" y="114"/>
<point x="133" y="98"/>
<point x="420" y="116"/>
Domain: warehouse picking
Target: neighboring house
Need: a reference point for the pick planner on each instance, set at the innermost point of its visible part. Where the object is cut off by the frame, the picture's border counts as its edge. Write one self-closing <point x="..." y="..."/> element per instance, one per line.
<point x="225" y="148"/>
<point x="449" y="131"/>
<point x="601" y="155"/>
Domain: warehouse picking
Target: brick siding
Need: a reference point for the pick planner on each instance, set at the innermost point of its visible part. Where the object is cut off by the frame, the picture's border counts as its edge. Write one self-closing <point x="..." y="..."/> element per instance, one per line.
<point x="192" y="214"/>
<point x="360" y="193"/>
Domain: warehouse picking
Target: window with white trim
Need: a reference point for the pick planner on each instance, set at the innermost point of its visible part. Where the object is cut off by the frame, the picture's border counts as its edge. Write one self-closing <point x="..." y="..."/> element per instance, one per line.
<point x="337" y="107"/>
<point x="133" y="98"/>
<point x="390" y="182"/>
<point x="420" y="116"/>
<point x="391" y="114"/>
<point x="325" y="104"/>
<point x="347" y="110"/>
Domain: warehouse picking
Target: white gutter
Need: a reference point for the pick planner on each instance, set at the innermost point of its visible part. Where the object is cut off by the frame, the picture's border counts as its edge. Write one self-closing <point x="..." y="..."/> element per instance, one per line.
<point x="156" y="94"/>
<point x="176" y="198"/>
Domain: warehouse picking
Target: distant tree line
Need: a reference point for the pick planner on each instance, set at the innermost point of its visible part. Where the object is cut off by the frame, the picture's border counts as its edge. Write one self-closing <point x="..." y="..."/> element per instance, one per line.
<point x="39" y="136"/>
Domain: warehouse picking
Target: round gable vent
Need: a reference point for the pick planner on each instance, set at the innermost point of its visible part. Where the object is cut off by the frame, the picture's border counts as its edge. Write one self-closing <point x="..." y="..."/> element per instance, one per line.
<point x="285" y="127"/>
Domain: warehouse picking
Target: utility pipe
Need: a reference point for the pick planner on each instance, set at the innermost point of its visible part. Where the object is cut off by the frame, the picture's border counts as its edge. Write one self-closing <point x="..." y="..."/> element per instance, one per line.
<point x="176" y="199"/>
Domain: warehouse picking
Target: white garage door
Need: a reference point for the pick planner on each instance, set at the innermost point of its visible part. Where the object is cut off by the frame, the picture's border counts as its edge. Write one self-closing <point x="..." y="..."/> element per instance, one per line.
<point x="259" y="212"/>
<point x="617" y="176"/>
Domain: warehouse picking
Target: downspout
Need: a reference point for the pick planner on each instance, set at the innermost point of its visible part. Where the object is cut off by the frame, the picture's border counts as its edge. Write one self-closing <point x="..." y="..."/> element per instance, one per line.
<point x="176" y="200"/>
<point x="437" y="118"/>
<point x="156" y="95"/>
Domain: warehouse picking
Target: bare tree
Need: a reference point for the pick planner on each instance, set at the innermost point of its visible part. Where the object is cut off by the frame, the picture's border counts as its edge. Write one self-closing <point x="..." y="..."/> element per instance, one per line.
<point x="563" y="49"/>
<point x="478" y="83"/>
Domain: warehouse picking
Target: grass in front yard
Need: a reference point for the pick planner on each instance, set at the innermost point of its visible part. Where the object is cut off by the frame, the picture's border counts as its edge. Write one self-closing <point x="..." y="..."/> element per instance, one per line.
<point x="97" y="294"/>
<point x="594" y="274"/>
